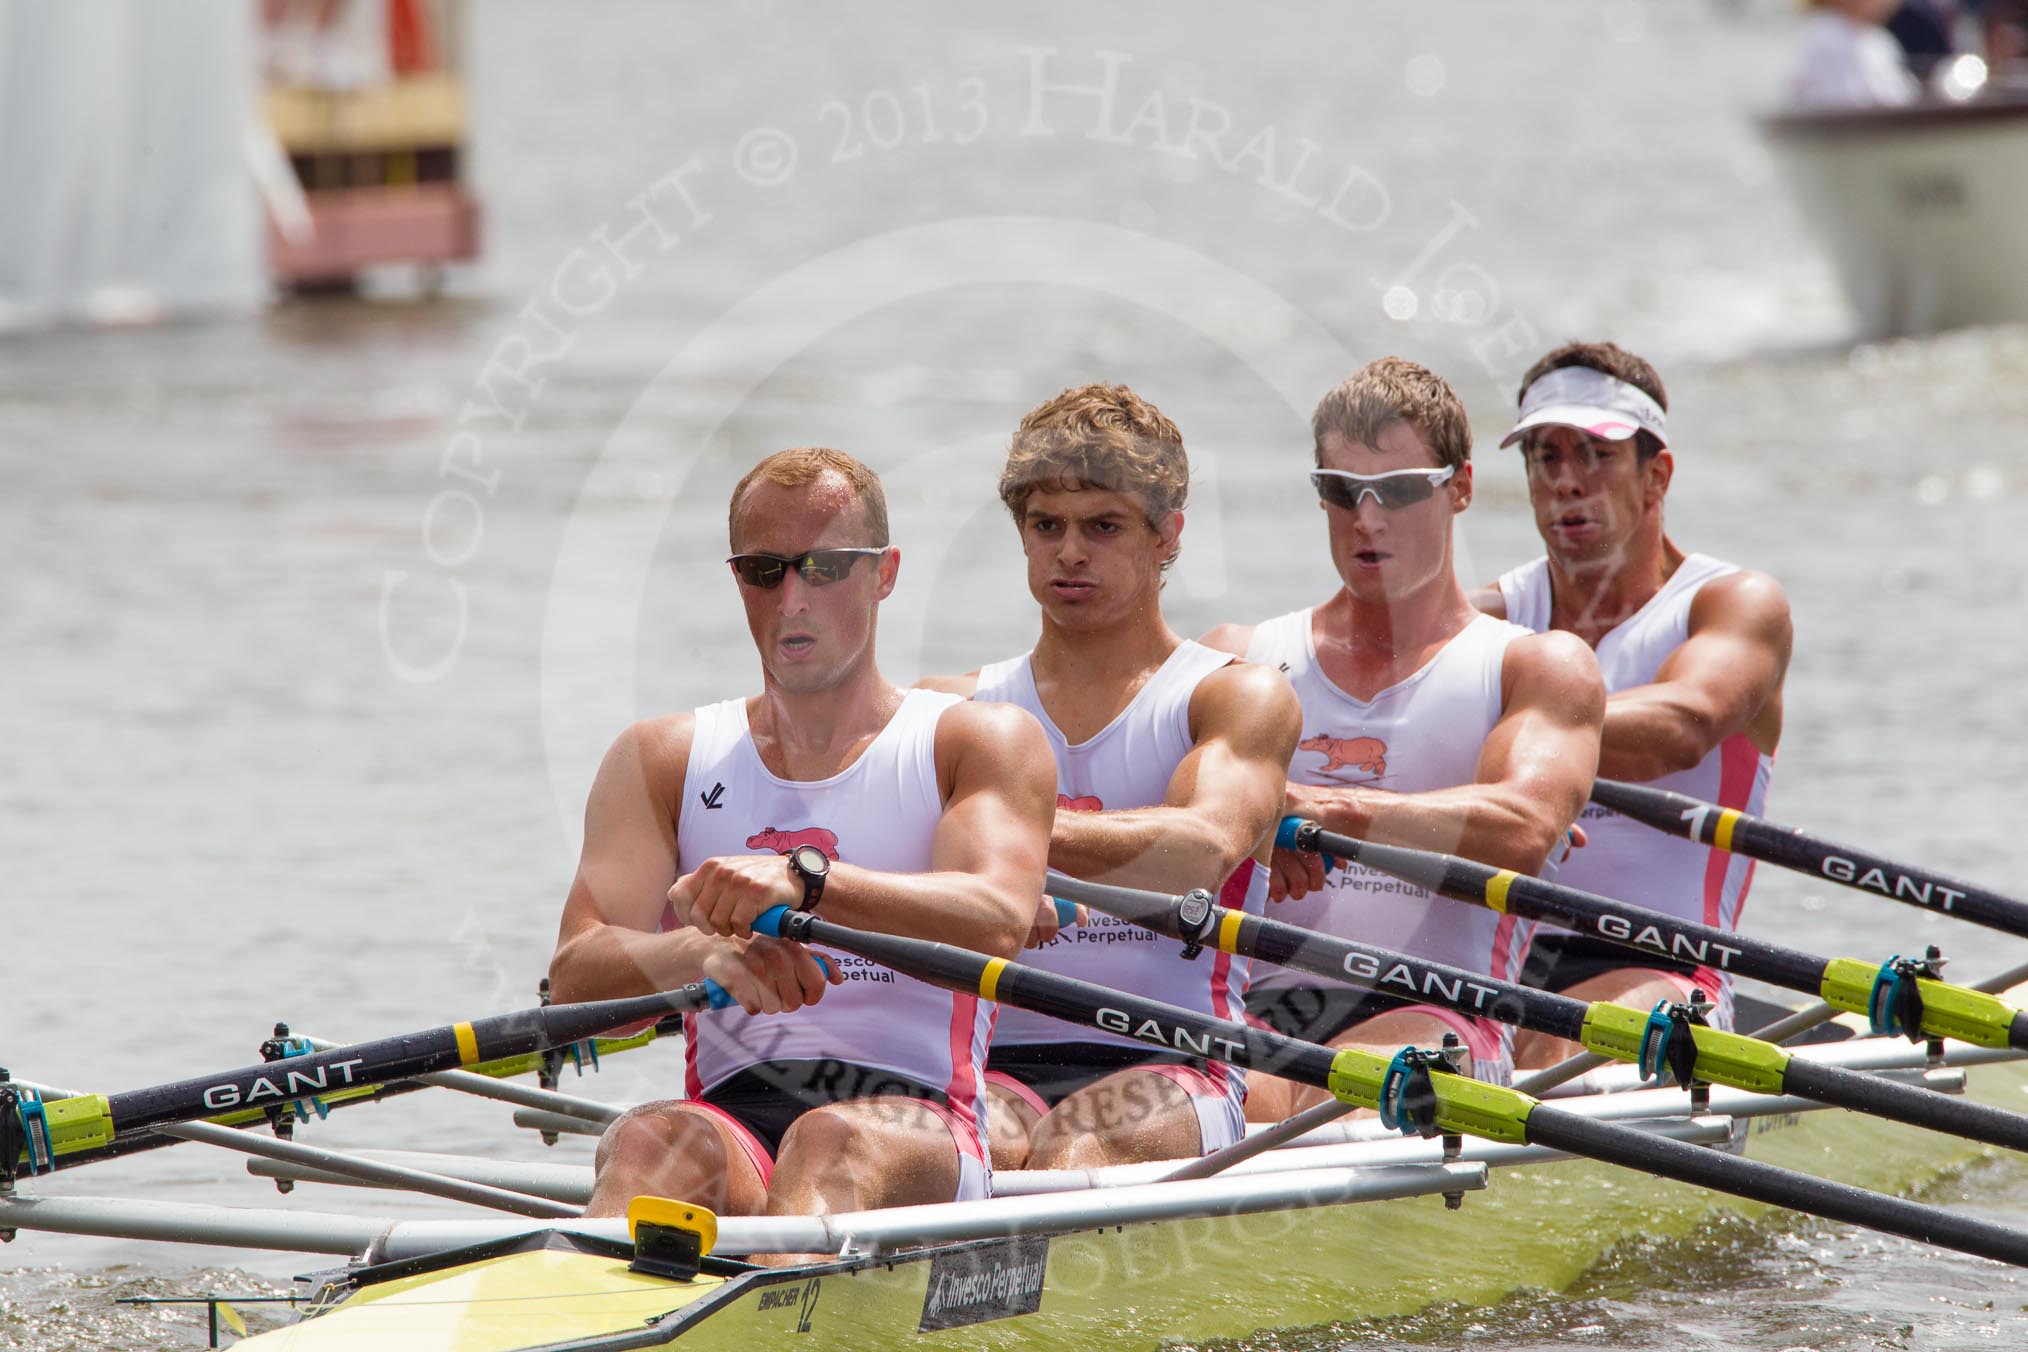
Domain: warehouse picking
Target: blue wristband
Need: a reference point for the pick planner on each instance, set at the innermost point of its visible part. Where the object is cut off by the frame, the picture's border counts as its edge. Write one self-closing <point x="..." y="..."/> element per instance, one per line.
<point x="1285" y="838"/>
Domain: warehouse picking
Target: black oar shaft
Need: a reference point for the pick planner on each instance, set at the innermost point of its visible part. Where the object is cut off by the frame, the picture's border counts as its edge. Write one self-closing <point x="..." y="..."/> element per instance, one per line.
<point x="394" y="1058"/>
<point x="1616" y="922"/>
<point x="1778" y="1187"/>
<point x="1355" y="1076"/>
<point x="1948" y="1011"/>
<point x="1416" y="980"/>
<point x="1724" y="1058"/>
<point x="1758" y="838"/>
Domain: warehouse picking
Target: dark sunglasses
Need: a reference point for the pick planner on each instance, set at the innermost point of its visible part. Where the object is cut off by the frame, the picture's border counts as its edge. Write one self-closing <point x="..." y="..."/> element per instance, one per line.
<point x="1395" y="488"/>
<point x="819" y="567"/>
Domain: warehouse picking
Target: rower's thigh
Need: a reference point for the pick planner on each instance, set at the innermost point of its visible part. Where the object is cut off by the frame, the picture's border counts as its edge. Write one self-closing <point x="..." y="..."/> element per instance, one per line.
<point x="867" y="1152"/>
<point x="1637" y="987"/>
<point x="687" y="1150"/>
<point x="1126" y="1117"/>
<point x="1267" y="1096"/>
<point x="1010" y="1126"/>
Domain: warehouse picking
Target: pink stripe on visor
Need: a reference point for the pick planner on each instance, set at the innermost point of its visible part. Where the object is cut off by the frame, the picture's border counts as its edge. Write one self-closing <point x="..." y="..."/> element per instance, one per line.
<point x="1591" y="401"/>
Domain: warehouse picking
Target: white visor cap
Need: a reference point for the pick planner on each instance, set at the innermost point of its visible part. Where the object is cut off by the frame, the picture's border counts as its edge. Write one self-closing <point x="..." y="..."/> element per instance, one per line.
<point x="1591" y="401"/>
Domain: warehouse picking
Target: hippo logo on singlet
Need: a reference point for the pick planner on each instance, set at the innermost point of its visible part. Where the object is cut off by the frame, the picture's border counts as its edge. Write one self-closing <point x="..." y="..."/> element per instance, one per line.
<point x="1088" y="803"/>
<point x="781" y="842"/>
<point x="1363" y="753"/>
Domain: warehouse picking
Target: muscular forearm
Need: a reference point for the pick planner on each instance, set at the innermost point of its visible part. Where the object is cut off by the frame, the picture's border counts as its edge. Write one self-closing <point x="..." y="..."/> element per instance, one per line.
<point x="1165" y="849"/>
<point x="1648" y="735"/>
<point x="1480" y="822"/>
<point x="608" y="962"/>
<point x="968" y="910"/>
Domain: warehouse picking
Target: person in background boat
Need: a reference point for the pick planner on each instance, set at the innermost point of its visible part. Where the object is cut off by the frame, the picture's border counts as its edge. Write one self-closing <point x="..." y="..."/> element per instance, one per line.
<point x="1849" y="60"/>
<point x="1169" y="764"/>
<point x="1922" y="29"/>
<point x="1693" y="651"/>
<point x="902" y="811"/>
<point x="1424" y="724"/>
<point x="2003" y="27"/>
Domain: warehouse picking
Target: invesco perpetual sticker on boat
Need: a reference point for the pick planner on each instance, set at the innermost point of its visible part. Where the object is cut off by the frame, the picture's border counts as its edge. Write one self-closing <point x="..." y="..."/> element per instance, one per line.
<point x="995" y="1280"/>
<point x="281" y="1084"/>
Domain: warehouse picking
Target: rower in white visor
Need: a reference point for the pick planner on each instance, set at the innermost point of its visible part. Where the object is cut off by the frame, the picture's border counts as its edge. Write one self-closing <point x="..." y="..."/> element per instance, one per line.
<point x="1693" y="651"/>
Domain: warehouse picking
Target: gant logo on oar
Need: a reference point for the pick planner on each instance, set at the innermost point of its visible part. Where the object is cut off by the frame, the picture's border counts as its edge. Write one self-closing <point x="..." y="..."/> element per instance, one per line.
<point x="1365" y="753"/>
<point x="781" y="842"/>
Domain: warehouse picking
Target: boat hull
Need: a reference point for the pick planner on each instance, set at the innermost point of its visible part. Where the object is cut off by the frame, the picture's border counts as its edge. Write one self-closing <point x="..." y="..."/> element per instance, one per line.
<point x="1539" y="1225"/>
<point x="1920" y="209"/>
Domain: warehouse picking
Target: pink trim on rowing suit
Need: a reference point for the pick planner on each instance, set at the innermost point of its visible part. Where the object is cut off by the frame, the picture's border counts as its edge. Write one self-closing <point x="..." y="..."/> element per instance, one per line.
<point x="1738" y="766"/>
<point x="962" y="1090"/>
<point x="1019" y="1090"/>
<point x="756" y="1153"/>
<point x="1232" y="896"/>
<point x="1191" y="1080"/>
<point x="964" y="1132"/>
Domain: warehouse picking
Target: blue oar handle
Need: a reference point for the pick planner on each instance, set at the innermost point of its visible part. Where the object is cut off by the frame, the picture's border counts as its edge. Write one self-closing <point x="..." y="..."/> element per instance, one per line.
<point x="1285" y="838"/>
<point x="1066" y="912"/>
<point x="768" y="922"/>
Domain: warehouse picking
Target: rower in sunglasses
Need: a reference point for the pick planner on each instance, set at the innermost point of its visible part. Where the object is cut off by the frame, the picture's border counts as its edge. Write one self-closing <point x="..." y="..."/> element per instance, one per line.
<point x="818" y="567"/>
<point x="827" y="1088"/>
<point x="1390" y="488"/>
<point x="1424" y="724"/>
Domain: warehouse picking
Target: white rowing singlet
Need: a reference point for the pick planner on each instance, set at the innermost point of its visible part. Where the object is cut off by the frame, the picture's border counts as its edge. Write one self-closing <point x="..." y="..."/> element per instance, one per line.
<point x="1128" y="764"/>
<point x="1424" y="732"/>
<point x="880" y="813"/>
<point x="1624" y="859"/>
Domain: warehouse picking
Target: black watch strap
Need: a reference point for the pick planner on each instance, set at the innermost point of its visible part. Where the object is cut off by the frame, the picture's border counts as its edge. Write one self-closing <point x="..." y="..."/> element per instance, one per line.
<point x="813" y="875"/>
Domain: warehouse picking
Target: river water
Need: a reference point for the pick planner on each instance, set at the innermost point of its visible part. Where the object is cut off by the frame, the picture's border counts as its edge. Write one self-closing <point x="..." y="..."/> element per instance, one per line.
<point x="313" y="626"/>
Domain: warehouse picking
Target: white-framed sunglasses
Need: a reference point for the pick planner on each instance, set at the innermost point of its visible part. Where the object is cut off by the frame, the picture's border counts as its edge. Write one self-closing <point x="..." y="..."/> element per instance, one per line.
<point x="1395" y="488"/>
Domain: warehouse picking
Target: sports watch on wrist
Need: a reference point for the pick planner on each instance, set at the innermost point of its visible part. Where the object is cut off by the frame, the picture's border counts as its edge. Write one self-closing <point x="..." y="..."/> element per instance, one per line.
<point x="813" y="866"/>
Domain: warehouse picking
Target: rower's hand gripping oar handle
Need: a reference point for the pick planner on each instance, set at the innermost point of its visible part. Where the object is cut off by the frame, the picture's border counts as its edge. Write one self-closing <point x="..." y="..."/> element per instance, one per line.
<point x="1296" y="833"/>
<point x="769" y="923"/>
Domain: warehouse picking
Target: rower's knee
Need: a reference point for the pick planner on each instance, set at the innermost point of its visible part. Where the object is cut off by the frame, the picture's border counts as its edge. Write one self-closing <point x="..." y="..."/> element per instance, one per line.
<point x="654" y="1132"/>
<point x="658" y="1147"/>
<point x="864" y="1153"/>
<point x="837" y="1136"/>
<point x="1123" y="1119"/>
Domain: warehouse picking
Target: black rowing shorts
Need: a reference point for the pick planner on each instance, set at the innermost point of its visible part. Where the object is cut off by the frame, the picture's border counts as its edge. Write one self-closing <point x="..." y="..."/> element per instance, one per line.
<point x="1056" y="1070"/>
<point x="1557" y="961"/>
<point x="766" y="1098"/>
<point x="1317" y="1013"/>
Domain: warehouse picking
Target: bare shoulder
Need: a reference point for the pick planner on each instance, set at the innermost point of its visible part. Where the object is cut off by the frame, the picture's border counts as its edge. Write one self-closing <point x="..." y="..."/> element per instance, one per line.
<point x="964" y="686"/>
<point x="1745" y="600"/>
<point x="1490" y="600"/>
<point x="976" y="743"/>
<point x="658" y="748"/>
<point x="1243" y="696"/>
<point x="1555" y="666"/>
<point x="990" y="729"/>
<point x="642" y="772"/>
<point x="1229" y="638"/>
